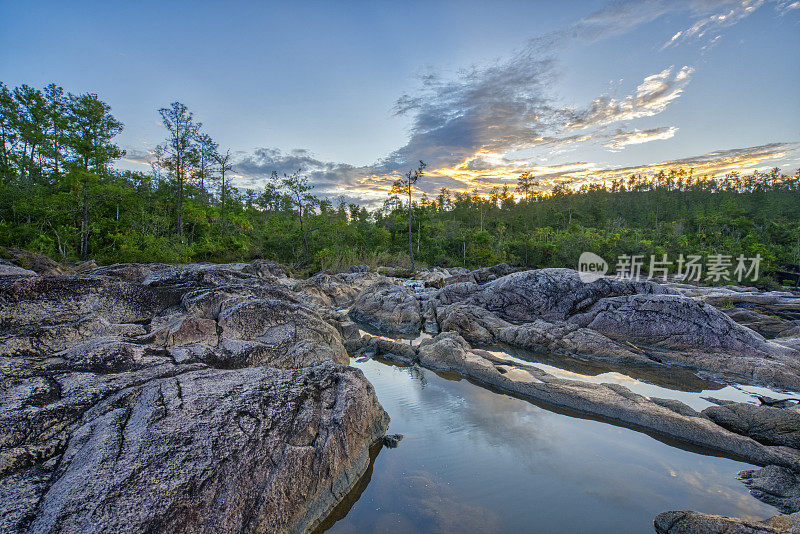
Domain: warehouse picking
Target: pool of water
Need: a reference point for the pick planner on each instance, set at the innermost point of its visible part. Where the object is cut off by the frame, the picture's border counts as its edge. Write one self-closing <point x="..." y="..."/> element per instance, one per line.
<point x="474" y="460"/>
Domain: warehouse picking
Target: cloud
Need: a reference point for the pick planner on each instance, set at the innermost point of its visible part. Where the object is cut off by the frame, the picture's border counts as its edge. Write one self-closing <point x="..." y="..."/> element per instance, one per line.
<point x="710" y="164"/>
<point x="786" y="6"/>
<point x="469" y="127"/>
<point x="620" y="140"/>
<point x="483" y="178"/>
<point x="728" y="16"/>
<point x="652" y="96"/>
<point x="500" y="107"/>
<point x="141" y="157"/>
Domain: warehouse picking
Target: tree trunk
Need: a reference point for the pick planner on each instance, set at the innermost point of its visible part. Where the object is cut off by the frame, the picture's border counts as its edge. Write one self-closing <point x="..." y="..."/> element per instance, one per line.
<point x="410" y="240"/>
<point x="222" y="193"/>
<point x="179" y="222"/>
<point x="85" y="220"/>
<point x="302" y="230"/>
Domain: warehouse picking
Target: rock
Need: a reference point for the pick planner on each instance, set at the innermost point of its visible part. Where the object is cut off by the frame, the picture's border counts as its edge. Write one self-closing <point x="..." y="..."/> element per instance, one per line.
<point x="563" y="338"/>
<point x="473" y="323"/>
<point x="174" y="398"/>
<point x="550" y="294"/>
<point x="266" y="269"/>
<point x="687" y="522"/>
<point x="388" y="307"/>
<point x="445" y="352"/>
<point x="9" y="269"/>
<point x="487" y="274"/>
<point x="683" y="331"/>
<point x="769" y="326"/>
<point x="86" y="266"/>
<point x="38" y="263"/>
<point x="338" y="290"/>
<point x="273" y="442"/>
<point x="670" y="321"/>
<point x="391" y="441"/>
<point x="129" y="272"/>
<point x="613" y="402"/>
<point x="767" y="424"/>
<point x="358" y="269"/>
<point x="277" y="333"/>
<point x="774" y="485"/>
<point x="430" y="320"/>
<point x="433" y="276"/>
<point x="386" y="348"/>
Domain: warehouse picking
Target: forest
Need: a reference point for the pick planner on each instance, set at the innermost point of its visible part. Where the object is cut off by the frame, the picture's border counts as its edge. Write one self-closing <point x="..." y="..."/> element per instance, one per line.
<point x="61" y="195"/>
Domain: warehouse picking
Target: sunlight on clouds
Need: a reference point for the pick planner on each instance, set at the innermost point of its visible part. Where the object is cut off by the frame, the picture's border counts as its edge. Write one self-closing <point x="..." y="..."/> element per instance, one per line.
<point x="578" y="173"/>
<point x="652" y="97"/>
<point x="703" y="26"/>
<point x="622" y="139"/>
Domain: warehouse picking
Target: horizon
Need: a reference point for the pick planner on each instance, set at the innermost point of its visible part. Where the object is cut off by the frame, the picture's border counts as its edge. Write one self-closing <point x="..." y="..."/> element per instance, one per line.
<point x="356" y="95"/>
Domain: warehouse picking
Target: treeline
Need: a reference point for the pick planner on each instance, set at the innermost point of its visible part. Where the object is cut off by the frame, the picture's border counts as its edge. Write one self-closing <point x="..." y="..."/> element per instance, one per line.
<point x="60" y="195"/>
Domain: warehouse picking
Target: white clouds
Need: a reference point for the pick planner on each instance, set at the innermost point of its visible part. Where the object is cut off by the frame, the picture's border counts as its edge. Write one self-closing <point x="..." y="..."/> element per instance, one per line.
<point x="652" y="97"/>
<point x="620" y="140"/>
<point x="786" y="6"/>
<point x="728" y="16"/>
<point x="142" y="157"/>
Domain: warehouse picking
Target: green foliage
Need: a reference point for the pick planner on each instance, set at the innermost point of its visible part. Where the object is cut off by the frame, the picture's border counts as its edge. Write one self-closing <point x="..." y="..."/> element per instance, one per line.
<point x="57" y="186"/>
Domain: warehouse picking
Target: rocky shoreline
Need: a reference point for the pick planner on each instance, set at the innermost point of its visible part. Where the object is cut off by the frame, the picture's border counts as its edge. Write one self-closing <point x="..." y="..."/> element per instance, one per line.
<point x="218" y="397"/>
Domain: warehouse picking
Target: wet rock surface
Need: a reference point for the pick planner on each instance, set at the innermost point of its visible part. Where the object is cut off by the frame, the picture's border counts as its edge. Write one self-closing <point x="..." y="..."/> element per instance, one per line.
<point x="196" y="398"/>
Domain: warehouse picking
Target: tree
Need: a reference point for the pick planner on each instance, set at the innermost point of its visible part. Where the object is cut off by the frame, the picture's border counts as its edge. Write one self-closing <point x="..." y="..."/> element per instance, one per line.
<point x="58" y="123"/>
<point x="176" y="153"/>
<point x="526" y="185"/>
<point x="91" y="129"/>
<point x="297" y="186"/>
<point x="9" y="112"/>
<point x="404" y="186"/>
<point x="224" y="162"/>
<point x="206" y="156"/>
<point x="32" y="119"/>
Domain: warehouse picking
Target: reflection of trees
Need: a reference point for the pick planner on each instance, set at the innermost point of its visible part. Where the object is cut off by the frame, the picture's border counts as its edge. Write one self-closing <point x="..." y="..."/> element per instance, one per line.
<point x="417" y="373"/>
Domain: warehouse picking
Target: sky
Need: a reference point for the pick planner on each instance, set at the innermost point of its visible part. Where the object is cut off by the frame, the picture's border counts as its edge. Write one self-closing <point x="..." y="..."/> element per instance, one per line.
<point x="356" y="93"/>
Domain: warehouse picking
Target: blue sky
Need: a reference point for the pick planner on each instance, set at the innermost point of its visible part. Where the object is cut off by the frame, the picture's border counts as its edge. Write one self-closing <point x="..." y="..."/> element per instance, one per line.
<point x="358" y="91"/>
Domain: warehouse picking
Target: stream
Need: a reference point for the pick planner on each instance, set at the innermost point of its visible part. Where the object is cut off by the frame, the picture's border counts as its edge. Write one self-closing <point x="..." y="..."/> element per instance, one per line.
<point x="473" y="460"/>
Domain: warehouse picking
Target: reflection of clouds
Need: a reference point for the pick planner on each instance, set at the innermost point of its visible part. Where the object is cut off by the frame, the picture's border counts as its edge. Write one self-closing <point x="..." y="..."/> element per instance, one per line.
<point x="475" y="457"/>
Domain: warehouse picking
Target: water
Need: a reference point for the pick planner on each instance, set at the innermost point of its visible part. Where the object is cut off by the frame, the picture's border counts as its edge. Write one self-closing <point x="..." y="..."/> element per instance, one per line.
<point x="473" y="460"/>
<point x="674" y="383"/>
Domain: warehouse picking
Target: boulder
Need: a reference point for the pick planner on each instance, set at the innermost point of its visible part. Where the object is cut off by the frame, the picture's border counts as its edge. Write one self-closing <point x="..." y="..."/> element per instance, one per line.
<point x="338" y="290"/>
<point x="767" y="424"/>
<point x="688" y="522"/>
<point x="210" y="450"/>
<point x="550" y="294"/>
<point x="683" y="331"/>
<point x="389" y="308"/>
<point x="193" y="398"/>
<point x="774" y="485"/>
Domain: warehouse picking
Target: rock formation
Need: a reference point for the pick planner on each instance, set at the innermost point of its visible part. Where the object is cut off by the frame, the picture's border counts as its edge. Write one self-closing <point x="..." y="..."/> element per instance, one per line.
<point x="194" y="398"/>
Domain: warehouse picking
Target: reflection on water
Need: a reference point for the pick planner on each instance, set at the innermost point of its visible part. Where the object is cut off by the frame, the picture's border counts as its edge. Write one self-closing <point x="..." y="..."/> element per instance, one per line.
<point x="663" y="382"/>
<point x="477" y="461"/>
